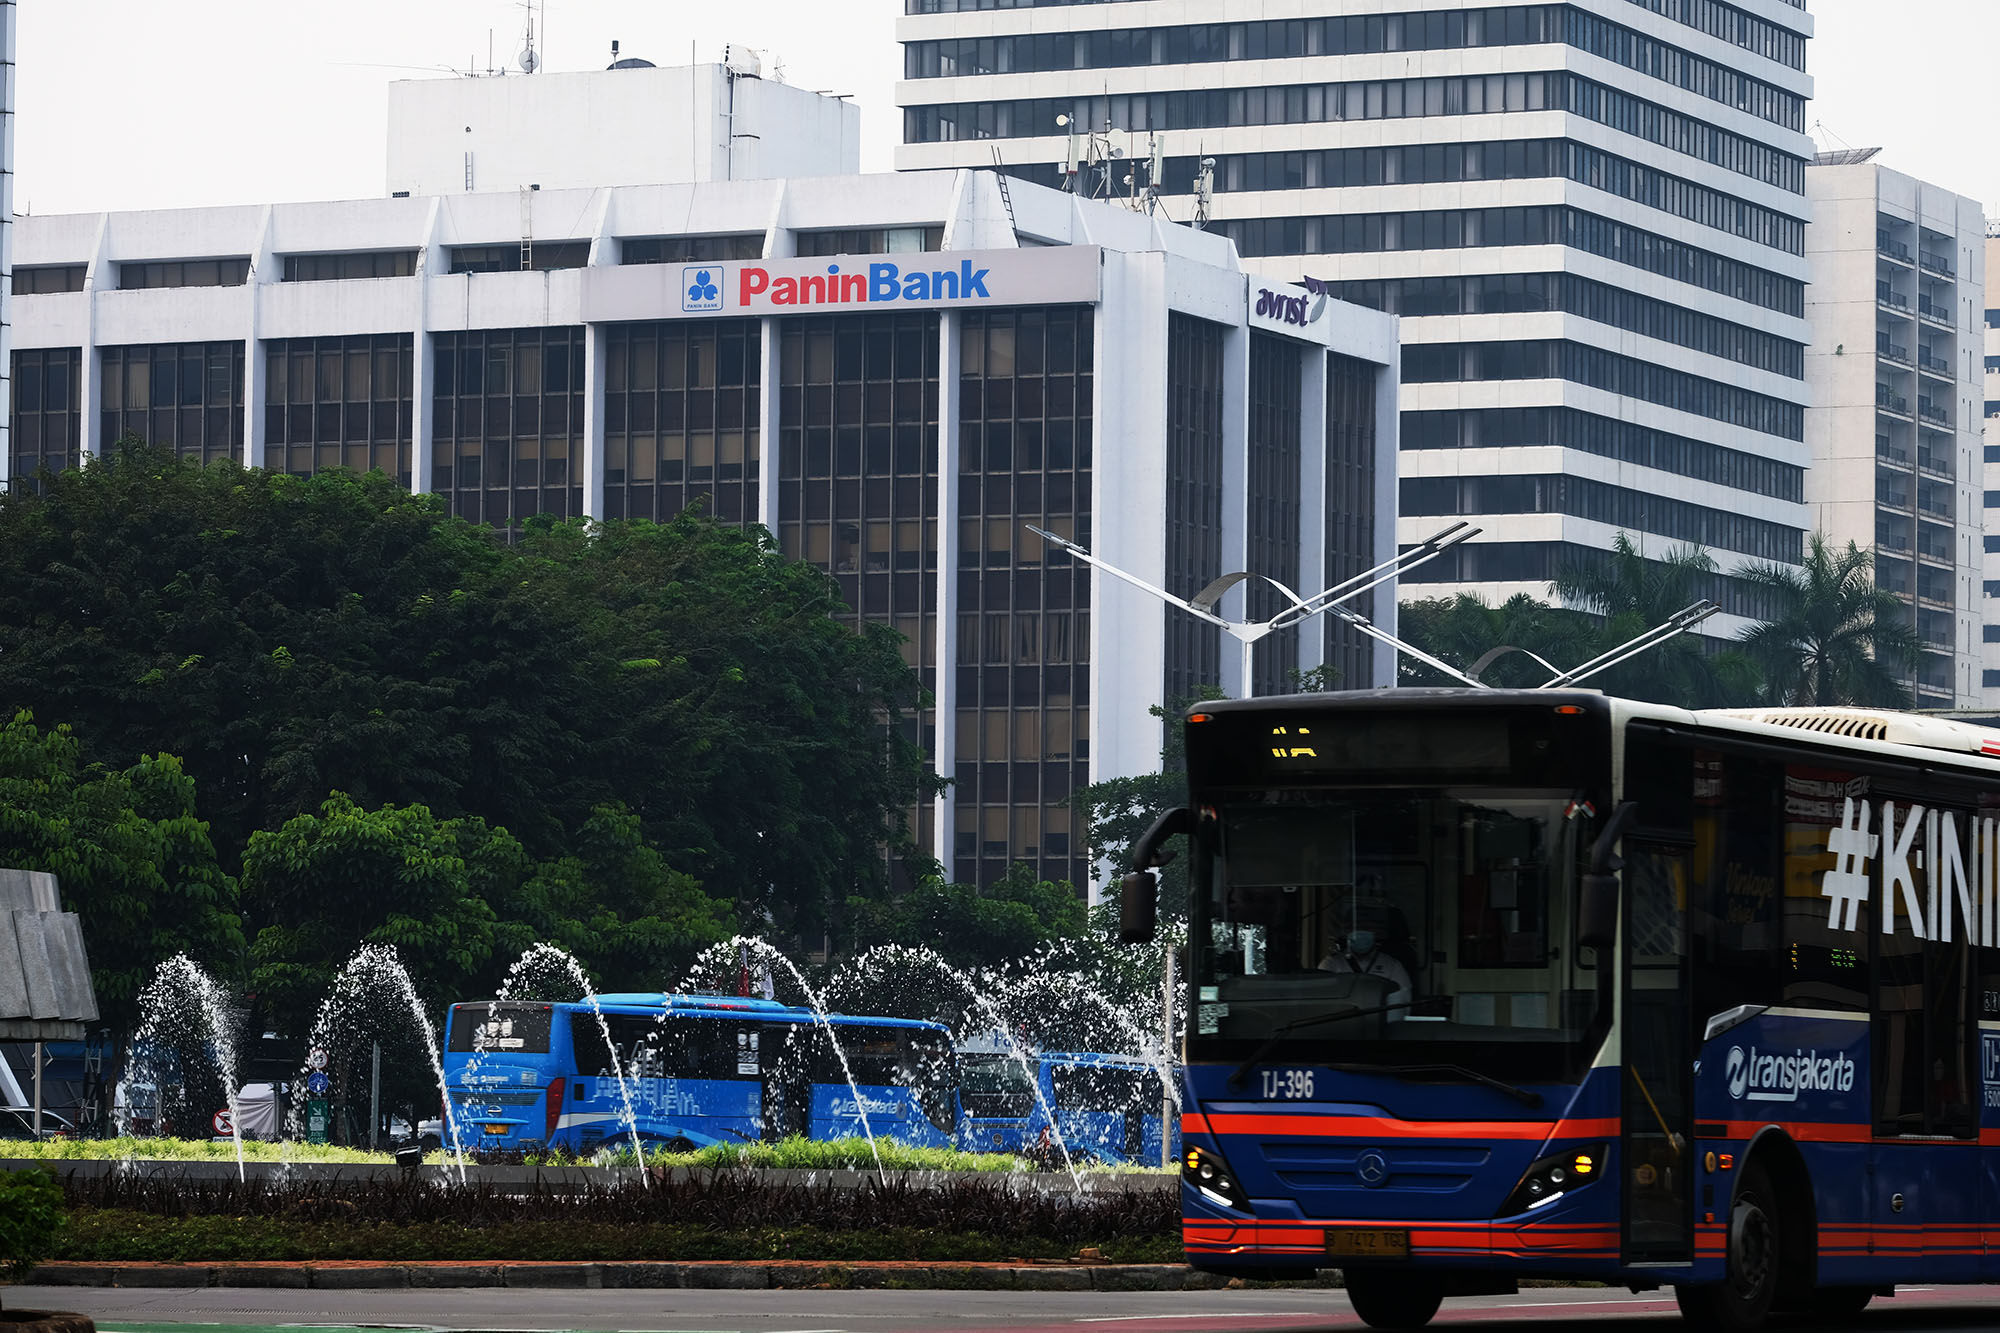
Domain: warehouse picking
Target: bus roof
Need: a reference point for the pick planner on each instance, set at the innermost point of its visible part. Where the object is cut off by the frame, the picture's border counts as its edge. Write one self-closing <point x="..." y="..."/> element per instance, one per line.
<point x="1917" y="736"/>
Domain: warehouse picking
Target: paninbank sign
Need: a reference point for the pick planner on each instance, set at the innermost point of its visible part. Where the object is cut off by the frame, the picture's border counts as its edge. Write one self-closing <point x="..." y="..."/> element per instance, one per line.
<point x="943" y="279"/>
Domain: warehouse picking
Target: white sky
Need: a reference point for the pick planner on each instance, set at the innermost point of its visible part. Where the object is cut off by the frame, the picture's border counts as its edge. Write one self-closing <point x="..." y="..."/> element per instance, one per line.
<point x="165" y="103"/>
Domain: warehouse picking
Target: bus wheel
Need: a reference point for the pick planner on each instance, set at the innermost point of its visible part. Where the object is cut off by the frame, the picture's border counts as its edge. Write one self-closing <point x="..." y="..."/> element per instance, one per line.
<point x="1393" y="1298"/>
<point x="1740" y="1302"/>
<point x="1839" y="1302"/>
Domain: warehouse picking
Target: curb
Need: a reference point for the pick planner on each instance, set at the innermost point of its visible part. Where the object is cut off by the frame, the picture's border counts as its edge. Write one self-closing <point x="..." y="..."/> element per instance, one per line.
<point x="352" y="1275"/>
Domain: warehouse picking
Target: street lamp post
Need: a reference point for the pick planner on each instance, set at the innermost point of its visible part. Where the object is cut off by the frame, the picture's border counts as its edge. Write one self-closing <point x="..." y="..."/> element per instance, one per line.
<point x="1248" y="632"/>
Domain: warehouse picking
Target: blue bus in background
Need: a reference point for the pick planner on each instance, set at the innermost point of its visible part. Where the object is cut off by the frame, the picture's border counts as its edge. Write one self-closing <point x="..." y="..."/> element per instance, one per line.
<point x="699" y="1069"/>
<point x="1106" y="1106"/>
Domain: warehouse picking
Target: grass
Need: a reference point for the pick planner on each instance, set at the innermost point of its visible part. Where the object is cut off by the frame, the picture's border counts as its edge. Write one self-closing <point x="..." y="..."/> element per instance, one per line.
<point x="795" y="1154"/>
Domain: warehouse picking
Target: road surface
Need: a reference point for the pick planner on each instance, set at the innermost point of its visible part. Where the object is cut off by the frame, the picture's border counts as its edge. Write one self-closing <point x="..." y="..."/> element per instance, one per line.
<point x="1576" y="1310"/>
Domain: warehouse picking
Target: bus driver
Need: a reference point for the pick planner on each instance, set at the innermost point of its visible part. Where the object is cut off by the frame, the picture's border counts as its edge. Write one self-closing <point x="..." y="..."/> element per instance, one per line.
<point x="1361" y="954"/>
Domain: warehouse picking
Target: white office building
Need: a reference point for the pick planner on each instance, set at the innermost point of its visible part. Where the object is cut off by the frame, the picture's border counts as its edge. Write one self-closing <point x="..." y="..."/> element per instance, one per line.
<point x="1591" y="218"/>
<point x="892" y="373"/>
<point x="642" y="125"/>
<point x="1894" y="367"/>
<point x="1989" y="675"/>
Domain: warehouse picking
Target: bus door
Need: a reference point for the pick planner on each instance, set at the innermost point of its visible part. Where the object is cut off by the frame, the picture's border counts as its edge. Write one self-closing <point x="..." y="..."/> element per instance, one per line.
<point x="1658" y="1073"/>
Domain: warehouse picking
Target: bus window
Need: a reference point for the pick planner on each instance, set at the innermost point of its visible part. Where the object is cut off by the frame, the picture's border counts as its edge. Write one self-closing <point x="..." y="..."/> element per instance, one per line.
<point x="996" y="1085"/>
<point x="500" y="1028"/>
<point x="677" y="1046"/>
<point x="1823" y="965"/>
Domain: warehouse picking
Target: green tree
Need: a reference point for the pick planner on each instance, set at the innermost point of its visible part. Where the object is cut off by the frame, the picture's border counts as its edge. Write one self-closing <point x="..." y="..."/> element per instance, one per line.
<point x="1463" y="629"/>
<point x="1116" y="812"/>
<point x="135" y="862"/>
<point x="630" y="919"/>
<point x="293" y="637"/>
<point x="755" y="731"/>
<point x="973" y="927"/>
<point x="1834" y="636"/>
<point x="324" y="884"/>
<point x="1633" y="592"/>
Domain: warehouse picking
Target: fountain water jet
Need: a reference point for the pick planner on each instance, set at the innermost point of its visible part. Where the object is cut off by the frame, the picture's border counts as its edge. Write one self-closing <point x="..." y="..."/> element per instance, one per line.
<point x="381" y="964"/>
<point x="819" y="1011"/>
<point x="567" y="962"/>
<point x="181" y="979"/>
<point x="876" y="959"/>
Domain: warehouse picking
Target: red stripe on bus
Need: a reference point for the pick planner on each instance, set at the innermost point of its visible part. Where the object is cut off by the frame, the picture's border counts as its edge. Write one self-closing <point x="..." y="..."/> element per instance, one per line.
<point x="1383" y="1127"/>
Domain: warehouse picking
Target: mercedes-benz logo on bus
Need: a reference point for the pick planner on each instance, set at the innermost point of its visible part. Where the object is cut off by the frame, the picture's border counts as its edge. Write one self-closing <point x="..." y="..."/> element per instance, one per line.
<point x="1373" y="1168"/>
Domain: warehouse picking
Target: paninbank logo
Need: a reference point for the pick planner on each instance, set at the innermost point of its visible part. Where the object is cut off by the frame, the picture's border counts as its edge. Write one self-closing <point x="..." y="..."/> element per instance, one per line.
<point x="1762" y="1076"/>
<point x="883" y="283"/>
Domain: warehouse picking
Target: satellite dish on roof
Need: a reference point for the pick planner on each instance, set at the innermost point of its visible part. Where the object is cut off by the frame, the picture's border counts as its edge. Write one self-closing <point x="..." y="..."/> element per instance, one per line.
<point x="528" y="60"/>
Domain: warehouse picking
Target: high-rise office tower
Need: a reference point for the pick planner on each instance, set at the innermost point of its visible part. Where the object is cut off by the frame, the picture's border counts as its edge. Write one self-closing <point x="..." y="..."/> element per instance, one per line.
<point x="1894" y="366"/>
<point x="1591" y="217"/>
<point x="1989" y="676"/>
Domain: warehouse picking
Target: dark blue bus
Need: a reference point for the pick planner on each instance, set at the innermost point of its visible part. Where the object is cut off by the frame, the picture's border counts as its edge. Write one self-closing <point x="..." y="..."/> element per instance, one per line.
<point x="1491" y="985"/>
<point x="1107" y="1107"/>
<point x="699" y="1070"/>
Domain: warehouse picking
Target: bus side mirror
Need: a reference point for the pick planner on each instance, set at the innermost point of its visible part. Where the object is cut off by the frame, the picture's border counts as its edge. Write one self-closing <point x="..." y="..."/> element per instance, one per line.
<point x="1139" y="892"/>
<point x="1138" y="907"/>
<point x="1597" y="897"/>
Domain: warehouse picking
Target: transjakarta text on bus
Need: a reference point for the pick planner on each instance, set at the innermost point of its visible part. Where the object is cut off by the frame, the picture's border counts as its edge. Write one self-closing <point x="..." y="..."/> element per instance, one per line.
<point x="883" y="283"/>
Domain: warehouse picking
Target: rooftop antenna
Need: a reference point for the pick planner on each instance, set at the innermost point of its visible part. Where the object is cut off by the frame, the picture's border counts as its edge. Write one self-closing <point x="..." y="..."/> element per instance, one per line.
<point x="1204" y="192"/>
<point x="528" y="60"/>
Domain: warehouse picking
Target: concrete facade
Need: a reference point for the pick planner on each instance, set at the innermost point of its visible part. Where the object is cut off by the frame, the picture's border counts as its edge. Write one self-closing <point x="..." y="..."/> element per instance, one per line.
<point x="1590" y="218"/>
<point x="1898" y="276"/>
<point x="1048" y="360"/>
<point x="623" y="126"/>
<point x="1989" y="674"/>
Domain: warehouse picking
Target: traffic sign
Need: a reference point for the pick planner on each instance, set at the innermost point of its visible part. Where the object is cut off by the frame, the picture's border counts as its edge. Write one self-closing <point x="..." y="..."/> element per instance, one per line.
<point x="317" y="1084"/>
<point x="224" y="1124"/>
<point x="316" y="1058"/>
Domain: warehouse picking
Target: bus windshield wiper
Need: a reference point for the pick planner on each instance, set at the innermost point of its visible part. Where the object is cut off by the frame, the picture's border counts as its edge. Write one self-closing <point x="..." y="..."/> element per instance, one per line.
<point x="1525" y="1096"/>
<point x="1284" y="1030"/>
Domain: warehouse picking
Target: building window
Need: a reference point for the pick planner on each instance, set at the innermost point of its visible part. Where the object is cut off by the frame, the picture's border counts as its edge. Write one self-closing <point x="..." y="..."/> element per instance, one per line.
<point x="1194" y="498"/>
<point x="1350" y="513"/>
<point x="507" y="424"/>
<point x="543" y="255"/>
<point x="1276" y="365"/>
<point x="187" y="397"/>
<point x="343" y="267"/>
<point x="338" y="402"/>
<point x="870" y="241"/>
<point x="680" y="418"/>
<point x="857" y="480"/>
<point x="44" y="278"/>
<point x="1026" y="380"/>
<point x="1616" y="506"/>
<point x="45" y="423"/>
<point x="1475" y="428"/>
<point x="690" y="249"/>
<point x="184" y="273"/>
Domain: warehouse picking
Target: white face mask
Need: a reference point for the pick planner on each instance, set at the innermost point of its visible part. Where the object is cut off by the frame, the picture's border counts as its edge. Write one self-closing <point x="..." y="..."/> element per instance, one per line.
<point x="1361" y="941"/>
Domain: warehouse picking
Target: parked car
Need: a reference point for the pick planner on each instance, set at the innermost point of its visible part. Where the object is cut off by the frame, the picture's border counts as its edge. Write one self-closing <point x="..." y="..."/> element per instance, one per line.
<point x="18" y="1122"/>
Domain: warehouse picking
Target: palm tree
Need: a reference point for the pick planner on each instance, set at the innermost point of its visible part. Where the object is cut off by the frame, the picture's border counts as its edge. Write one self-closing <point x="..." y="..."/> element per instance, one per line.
<point x="1835" y="637"/>
<point x="1633" y="592"/>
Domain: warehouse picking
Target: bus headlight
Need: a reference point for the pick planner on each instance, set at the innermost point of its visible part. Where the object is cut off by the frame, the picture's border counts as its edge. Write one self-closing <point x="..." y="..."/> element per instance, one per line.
<point x="1204" y="1169"/>
<point x="1549" y="1178"/>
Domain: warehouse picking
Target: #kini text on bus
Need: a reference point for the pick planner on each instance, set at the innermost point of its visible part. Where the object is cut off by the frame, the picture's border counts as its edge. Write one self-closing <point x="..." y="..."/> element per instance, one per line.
<point x="1488" y="985"/>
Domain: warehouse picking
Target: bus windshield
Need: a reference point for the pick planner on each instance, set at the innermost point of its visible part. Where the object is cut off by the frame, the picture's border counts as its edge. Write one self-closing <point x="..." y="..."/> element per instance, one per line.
<point x="1440" y="919"/>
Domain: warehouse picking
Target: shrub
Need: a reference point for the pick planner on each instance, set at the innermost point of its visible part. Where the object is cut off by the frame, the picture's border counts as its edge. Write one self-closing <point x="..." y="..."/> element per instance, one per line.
<point x="30" y="1218"/>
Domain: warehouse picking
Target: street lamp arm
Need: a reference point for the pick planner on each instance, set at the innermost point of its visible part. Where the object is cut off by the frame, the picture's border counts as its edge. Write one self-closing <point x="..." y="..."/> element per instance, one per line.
<point x="1366" y="626"/>
<point x="1428" y="549"/>
<point x="1679" y="623"/>
<point x="1132" y="579"/>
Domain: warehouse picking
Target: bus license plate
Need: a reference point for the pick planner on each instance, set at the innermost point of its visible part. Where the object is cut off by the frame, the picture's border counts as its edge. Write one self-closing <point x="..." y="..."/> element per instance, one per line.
<point x="496" y="1129"/>
<point x="1367" y="1243"/>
